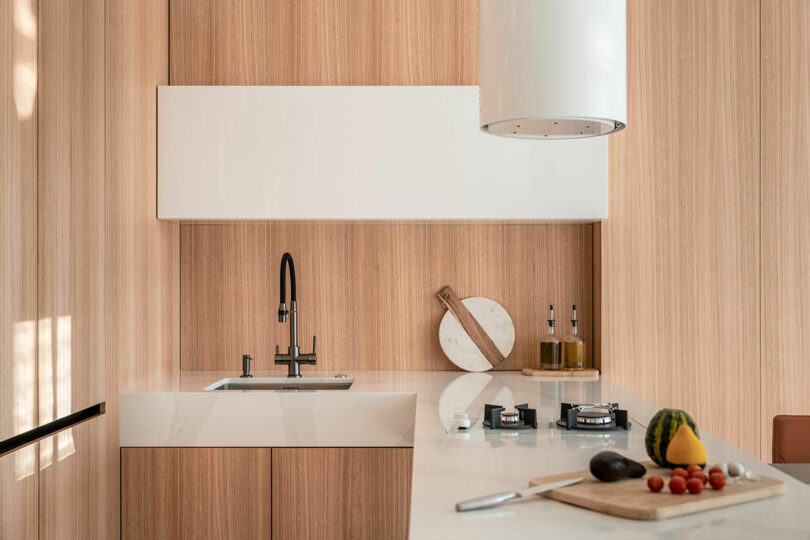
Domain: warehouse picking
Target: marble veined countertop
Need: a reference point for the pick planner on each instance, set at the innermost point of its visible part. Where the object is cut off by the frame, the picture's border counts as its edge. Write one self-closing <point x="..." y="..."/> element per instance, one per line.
<point x="411" y="408"/>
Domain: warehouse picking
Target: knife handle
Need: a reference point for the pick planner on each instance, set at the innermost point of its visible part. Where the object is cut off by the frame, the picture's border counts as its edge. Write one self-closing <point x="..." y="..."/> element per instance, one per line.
<point x="486" y="502"/>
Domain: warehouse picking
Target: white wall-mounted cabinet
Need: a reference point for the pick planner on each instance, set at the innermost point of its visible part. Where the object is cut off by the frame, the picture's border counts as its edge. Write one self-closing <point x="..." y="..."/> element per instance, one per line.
<point x="362" y="152"/>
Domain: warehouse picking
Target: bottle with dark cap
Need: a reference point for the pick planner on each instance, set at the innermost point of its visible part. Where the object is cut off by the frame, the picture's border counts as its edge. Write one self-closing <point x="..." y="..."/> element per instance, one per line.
<point x="573" y="347"/>
<point x="550" y="346"/>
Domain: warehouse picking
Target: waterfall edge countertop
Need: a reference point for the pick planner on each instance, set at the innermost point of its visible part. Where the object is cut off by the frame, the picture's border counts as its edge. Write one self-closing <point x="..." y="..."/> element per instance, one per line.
<point x="410" y="408"/>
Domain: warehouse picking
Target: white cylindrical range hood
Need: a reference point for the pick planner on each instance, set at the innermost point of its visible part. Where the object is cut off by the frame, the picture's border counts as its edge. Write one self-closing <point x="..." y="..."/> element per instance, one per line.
<point x="553" y="68"/>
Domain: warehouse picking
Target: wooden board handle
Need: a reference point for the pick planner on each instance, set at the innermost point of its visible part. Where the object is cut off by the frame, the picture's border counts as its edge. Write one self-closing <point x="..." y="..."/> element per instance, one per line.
<point x="470" y="325"/>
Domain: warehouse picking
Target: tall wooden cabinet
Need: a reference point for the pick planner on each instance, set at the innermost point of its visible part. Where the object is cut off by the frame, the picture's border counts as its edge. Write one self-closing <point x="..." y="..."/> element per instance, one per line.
<point x="52" y="260"/>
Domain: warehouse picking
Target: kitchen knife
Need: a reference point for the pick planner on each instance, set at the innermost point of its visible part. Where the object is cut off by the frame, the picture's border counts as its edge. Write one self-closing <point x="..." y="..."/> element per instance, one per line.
<point x="488" y="501"/>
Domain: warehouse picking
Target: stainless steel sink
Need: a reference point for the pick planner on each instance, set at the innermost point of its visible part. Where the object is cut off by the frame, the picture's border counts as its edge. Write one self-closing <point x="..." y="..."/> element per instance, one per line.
<point x="282" y="383"/>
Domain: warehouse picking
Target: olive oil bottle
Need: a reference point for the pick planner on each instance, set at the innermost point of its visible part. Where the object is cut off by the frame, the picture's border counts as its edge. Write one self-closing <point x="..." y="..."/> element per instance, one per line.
<point x="574" y="347"/>
<point x="550" y="346"/>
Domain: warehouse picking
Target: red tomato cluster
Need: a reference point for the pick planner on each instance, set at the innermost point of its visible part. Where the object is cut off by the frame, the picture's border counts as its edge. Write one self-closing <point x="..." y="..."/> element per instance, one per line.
<point x="692" y="478"/>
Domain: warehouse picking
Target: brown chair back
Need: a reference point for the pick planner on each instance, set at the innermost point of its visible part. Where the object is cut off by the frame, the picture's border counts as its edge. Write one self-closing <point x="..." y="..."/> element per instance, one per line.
<point x="791" y="439"/>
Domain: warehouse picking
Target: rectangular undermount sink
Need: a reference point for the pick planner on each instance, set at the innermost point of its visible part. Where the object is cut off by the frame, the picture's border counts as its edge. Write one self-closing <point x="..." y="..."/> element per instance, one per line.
<point x="282" y="383"/>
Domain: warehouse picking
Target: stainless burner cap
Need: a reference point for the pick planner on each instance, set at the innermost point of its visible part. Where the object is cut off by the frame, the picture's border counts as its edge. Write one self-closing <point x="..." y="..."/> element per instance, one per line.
<point x="594" y="416"/>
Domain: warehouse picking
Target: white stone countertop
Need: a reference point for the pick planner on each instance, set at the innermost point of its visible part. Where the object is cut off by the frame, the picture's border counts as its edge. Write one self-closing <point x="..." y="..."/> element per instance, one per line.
<point x="416" y="409"/>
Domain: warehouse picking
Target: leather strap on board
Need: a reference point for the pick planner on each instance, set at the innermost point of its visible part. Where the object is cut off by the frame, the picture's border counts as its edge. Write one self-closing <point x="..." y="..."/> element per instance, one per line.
<point x="470" y="325"/>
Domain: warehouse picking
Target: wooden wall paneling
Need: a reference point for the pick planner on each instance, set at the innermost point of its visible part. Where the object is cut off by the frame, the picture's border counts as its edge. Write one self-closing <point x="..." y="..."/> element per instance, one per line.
<point x="317" y="42"/>
<point x="680" y="251"/>
<point x="71" y="207"/>
<point x="19" y="482"/>
<point x="73" y="500"/>
<point x="196" y="493"/>
<point x="341" y="492"/>
<point x="785" y="233"/>
<point x="142" y="324"/>
<point x="368" y="289"/>
<point x="18" y="217"/>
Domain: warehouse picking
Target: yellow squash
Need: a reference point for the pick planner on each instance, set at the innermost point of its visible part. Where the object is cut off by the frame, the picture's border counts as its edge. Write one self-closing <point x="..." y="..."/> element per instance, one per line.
<point x="685" y="448"/>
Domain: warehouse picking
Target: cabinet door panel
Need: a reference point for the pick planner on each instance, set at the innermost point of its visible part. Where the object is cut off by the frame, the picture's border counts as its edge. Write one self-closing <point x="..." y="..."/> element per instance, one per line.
<point x="341" y="492"/>
<point x="19" y="489"/>
<point x="73" y="501"/>
<point x="71" y="206"/>
<point x="18" y="217"/>
<point x="195" y="493"/>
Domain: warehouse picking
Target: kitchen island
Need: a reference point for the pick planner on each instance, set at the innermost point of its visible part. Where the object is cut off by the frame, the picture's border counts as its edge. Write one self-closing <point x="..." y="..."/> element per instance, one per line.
<point x="449" y="465"/>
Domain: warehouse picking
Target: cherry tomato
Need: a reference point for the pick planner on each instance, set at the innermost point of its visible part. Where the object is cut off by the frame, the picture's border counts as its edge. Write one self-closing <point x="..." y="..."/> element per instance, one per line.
<point x="677" y="485"/>
<point x="718" y="480"/>
<point x="655" y="483"/>
<point x="701" y="475"/>
<point x="693" y="468"/>
<point x="680" y="472"/>
<point x="695" y="485"/>
<point x="716" y="469"/>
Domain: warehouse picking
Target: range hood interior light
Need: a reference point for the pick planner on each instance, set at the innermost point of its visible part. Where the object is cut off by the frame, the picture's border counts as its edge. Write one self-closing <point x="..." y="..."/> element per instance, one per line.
<point x="553" y="69"/>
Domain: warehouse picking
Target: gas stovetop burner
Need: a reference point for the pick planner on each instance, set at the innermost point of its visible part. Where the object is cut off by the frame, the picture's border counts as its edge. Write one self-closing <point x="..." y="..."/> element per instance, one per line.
<point x="497" y="417"/>
<point x="599" y="417"/>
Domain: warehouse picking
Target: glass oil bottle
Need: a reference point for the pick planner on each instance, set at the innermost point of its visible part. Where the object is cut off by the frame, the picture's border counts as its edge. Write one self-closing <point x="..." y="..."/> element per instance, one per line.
<point x="573" y="347"/>
<point x="550" y="346"/>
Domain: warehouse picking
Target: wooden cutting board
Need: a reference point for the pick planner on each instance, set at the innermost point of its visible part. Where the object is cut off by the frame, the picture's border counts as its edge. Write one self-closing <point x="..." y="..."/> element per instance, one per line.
<point x="588" y="374"/>
<point x="632" y="499"/>
<point x="488" y="338"/>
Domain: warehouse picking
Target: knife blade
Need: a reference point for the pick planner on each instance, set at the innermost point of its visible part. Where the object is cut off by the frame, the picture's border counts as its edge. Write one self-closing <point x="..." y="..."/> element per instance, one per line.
<point x="488" y="501"/>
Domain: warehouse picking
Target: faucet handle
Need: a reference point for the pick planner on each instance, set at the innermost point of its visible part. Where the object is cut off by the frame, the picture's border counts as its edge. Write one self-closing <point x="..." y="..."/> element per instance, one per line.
<point x="246" y="358"/>
<point x="276" y="349"/>
<point x="314" y="338"/>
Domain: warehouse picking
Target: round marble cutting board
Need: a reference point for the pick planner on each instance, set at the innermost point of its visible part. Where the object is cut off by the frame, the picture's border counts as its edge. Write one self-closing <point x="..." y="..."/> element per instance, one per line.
<point x="459" y="347"/>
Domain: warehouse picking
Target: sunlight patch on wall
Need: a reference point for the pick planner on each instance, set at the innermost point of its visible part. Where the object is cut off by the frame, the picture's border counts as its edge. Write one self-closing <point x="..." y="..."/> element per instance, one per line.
<point x="25" y="60"/>
<point x="55" y="386"/>
<point x="24" y="387"/>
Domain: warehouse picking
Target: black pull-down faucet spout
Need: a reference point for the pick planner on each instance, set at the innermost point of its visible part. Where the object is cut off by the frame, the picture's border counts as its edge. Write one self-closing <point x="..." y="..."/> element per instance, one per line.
<point x="283" y="313"/>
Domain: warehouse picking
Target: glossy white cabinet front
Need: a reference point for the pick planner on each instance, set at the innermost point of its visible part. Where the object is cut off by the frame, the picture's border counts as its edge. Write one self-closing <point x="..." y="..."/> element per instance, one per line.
<point x="360" y="152"/>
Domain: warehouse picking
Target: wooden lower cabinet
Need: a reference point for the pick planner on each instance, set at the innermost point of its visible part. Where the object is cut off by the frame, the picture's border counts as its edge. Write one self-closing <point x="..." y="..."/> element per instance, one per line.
<point x="324" y="493"/>
<point x="193" y="493"/>
<point x="346" y="493"/>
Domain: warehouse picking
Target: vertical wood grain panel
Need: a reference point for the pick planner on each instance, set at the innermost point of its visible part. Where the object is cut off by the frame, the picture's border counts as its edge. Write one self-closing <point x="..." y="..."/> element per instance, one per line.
<point x="71" y="373"/>
<point x="19" y="482"/>
<point x="141" y="253"/>
<point x="324" y="42"/>
<point x="358" y="493"/>
<point x="192" y="493"/>
<point x="368" y="289"/>
<point x="785" y="218"/>
<point x="18" y="218"/>
<point x="680" y="251"/>
<point x="73" y="499"/>
<point x="71" y="207"/>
